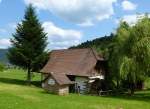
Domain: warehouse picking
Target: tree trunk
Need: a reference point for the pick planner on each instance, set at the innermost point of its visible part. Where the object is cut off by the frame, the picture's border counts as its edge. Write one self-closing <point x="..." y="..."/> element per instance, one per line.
<point x="118" y="84"/>
<point x="132" y="92"/>
<point x="132" y="89"/>
<point x="29" y="77"/>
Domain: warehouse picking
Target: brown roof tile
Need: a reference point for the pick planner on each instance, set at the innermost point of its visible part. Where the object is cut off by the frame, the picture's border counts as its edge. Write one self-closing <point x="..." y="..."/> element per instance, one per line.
<point x="78" y="62"/>
<point x="61" y="79"/>
<point x="72" y="62"/>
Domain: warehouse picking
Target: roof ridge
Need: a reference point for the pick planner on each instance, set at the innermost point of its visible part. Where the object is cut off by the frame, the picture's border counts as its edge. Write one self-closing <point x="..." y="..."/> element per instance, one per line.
<point x="94" y="53"/>
<point x="69" y="49"/>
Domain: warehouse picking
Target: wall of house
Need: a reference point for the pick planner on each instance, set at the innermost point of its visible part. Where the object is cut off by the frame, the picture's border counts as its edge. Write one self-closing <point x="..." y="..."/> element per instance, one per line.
<point x="81" y="84"/>
<point x="52" y="86"/>
<point x="86" y="87"/>
<point x="63" y="90"/>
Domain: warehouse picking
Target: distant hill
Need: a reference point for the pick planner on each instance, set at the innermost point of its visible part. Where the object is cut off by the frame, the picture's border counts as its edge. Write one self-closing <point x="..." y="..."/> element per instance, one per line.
<point x="101" y="45"/>
<point x="3" y="57"/>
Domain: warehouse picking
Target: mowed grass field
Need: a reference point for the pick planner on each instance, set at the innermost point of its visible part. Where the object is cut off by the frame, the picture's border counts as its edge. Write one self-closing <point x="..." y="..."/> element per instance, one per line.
<point x="14" y="94"/>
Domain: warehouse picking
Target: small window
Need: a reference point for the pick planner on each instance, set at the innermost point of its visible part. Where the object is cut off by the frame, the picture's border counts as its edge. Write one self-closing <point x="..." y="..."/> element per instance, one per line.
<point x="51" y="81"/>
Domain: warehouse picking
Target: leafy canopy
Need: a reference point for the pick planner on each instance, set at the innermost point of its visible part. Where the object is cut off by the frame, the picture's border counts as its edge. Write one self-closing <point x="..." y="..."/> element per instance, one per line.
<point x="130" y="58"/>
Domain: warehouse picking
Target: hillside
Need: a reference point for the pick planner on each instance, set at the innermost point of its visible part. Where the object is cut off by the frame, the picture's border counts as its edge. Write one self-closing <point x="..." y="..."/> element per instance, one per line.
<point x="101" y="45"/>
<point x="3" y="57"/>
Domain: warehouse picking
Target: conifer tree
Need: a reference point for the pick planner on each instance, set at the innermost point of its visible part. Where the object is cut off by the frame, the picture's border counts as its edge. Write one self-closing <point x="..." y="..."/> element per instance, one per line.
<point x="28" y="44"/>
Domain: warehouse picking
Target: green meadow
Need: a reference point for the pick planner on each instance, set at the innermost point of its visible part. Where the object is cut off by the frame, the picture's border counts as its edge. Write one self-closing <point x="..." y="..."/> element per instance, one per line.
<point x="15" y="94"/>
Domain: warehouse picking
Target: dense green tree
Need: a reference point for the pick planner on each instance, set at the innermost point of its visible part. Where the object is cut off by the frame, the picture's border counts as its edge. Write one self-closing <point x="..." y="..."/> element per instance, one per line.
<point x="28" y="44"/>
<point x="131" y="53"/>
<point x="139" y="55"/>
<point x="101" y="45"/>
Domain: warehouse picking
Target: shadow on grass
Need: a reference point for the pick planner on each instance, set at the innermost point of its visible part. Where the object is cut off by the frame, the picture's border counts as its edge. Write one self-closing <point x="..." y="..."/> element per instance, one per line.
<point x="19" y="82"/>
<point x="47" y="92"/>
<point x="139" y="96"/>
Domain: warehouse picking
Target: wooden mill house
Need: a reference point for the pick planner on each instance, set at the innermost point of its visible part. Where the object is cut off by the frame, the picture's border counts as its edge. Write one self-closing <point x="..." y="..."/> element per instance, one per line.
<point x="73" y="70"/>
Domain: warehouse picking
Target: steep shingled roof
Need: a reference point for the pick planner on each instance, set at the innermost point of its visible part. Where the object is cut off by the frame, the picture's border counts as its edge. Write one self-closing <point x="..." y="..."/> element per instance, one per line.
<point x="79" y="62"/>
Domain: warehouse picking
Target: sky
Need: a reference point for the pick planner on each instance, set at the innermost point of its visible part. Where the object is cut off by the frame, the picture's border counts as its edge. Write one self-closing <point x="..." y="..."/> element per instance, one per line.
<point x="70" y="22"/>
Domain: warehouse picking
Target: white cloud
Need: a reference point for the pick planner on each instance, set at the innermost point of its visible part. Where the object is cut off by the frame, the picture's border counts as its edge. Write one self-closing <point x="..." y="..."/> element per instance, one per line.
<point x="60" y="38"/>
<point x="86" y="23"/>
<point x="4" y="43"/>
<point x="81" y="12"/>
<point x="127" y="5"/>
<point x="132" y="19"/>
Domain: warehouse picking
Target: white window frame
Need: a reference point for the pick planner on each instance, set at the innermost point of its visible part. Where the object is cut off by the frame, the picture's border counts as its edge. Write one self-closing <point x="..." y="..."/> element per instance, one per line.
<point x="51" y="81"/>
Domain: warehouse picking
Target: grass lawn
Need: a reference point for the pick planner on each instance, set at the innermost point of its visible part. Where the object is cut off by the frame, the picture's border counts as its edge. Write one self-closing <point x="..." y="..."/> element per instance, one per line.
<point x="14" y="94"/>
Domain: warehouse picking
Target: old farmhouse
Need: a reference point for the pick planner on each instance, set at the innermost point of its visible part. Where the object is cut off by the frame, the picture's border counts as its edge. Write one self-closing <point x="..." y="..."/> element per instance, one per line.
<point x="73" y="70"/>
